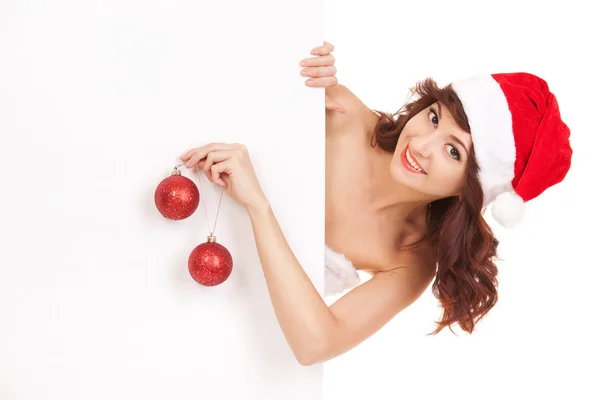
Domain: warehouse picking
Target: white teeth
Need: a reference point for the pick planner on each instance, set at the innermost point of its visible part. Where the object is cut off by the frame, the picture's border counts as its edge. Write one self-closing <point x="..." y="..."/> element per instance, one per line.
<point x="411" y="161"/>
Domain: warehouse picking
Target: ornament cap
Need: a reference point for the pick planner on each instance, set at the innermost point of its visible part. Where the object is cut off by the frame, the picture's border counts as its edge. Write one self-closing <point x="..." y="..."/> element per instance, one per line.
<point x="175" y="172"/>
<point x="211" y="239"/>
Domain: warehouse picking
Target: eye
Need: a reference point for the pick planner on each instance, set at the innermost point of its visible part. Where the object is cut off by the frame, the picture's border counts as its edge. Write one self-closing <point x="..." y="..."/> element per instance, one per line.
<point x="454" y="153"/>
<point x="433" y="118"/>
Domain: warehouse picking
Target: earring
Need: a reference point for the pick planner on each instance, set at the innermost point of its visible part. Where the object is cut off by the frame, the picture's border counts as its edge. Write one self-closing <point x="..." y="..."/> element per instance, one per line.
<point x="176" y="197"/>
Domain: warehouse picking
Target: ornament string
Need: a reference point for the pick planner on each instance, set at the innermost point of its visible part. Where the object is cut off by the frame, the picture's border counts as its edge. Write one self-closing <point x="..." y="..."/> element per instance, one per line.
<point x="212" y="232"/>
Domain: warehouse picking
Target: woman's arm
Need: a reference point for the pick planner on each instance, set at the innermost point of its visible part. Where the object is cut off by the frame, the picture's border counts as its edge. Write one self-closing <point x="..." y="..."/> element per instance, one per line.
<point x="315" y="332"/>
<point x="303" y="316"/>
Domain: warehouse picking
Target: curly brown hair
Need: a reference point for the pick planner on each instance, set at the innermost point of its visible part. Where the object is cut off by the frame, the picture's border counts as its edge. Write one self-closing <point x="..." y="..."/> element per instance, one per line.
<point x="464" y="244"/>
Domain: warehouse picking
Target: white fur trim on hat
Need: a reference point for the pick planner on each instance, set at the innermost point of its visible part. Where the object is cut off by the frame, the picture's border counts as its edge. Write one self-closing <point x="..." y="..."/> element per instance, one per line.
<point x="508" y="209"/>
<point x="490" y="121"/>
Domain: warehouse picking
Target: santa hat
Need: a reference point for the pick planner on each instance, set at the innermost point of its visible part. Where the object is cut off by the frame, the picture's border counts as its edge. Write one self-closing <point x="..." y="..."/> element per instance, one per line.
<point x="521" y="144"/>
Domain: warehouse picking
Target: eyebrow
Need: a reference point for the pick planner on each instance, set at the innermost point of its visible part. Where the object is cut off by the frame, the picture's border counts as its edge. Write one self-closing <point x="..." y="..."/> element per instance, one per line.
<point x="452" y="136"/>
<point x="461" y="143"/>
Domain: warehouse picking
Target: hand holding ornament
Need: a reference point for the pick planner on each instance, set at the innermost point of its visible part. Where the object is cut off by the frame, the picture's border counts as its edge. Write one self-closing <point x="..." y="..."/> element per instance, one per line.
<point x="229" y="166"/>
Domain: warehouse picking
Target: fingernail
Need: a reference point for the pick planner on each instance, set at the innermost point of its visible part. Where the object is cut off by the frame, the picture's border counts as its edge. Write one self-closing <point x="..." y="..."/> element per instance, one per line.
<point x="305" y="72"/>
<point x="303" y="63"/>
<point x="314" y="51"/>
<point x="310" y="82"/>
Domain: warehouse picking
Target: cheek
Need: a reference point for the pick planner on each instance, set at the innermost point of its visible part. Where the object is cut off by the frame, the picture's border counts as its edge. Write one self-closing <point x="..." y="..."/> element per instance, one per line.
<point x="449" y="171"/>
<point x="399" y="147"/>
<point x="456" y="177"/>
<point x="409" y="127"/>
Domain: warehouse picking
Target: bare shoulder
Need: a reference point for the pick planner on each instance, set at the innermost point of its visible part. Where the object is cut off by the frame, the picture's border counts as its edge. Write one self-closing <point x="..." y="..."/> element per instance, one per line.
<point x="356" y="110"/>
<point x="340" y="92"/>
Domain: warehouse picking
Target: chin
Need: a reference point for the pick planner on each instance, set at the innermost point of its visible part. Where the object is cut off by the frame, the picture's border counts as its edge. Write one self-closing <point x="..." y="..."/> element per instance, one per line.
<point x="401" y="175"/>
<point x="415" y="183"/>
<point x="405" y="184"/>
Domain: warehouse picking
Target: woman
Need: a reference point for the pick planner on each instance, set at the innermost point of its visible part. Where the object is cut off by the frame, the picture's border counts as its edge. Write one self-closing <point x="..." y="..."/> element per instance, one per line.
<point x="405" y="194"/>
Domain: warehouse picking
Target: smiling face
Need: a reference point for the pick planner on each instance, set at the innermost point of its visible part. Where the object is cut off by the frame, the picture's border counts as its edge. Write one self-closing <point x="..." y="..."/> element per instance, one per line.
<point x="432" y="153"/>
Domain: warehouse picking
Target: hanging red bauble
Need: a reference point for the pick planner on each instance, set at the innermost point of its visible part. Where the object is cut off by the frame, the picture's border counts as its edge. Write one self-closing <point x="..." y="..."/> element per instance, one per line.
<point x="176" y="196"/>
<point x="210" y="263"/>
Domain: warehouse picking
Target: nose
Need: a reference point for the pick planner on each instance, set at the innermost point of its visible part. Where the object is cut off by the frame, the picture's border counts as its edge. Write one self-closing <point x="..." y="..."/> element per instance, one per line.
<point x="423" y="144"/>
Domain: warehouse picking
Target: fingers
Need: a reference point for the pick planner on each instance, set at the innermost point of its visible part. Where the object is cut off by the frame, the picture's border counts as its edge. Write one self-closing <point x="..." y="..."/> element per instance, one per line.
<point x="215" y="158"/>
<point x="319" y="71"/>
<point x="326" y="48"/>
<point x="194" y="156"/>
<point x="224" y="167"/>
<point x="322" y="82"/>
<point x="185" y="156"/>
<point x="328" y="59"/>
<point x="198" y="153"/>
<point x="212" y="160"/>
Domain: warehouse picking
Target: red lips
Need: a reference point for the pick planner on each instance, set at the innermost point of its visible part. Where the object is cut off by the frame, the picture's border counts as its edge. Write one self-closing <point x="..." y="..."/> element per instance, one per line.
<point x="407" y="164"/>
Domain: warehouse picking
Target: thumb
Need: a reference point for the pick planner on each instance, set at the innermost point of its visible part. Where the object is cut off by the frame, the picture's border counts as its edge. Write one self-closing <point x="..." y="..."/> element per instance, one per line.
<point x="331" y="104"/>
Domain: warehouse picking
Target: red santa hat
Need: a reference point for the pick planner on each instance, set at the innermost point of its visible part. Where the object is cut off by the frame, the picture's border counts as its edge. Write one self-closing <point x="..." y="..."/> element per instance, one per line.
<point x="521" y="144"/>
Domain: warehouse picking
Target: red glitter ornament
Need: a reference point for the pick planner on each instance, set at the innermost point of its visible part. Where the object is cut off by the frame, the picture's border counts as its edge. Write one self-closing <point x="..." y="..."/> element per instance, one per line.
<point x="210" y="263"/>
<point x="176" y="196"/>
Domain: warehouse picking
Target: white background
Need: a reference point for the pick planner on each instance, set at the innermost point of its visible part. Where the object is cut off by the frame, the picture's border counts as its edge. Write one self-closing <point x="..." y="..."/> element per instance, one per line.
<point x="97" y="101"/>
<point x="539" y="341"/>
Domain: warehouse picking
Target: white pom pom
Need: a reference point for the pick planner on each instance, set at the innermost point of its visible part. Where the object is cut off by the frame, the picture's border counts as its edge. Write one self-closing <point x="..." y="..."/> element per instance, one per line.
<point x="508" y="209"/>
